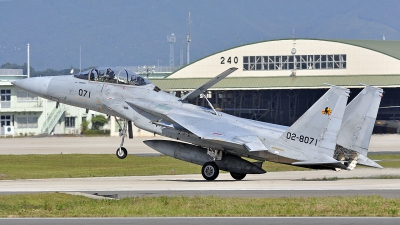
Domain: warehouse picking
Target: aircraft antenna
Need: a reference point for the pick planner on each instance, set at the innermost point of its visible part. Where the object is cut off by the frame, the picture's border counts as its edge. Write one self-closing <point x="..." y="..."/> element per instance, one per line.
<point x="171" y="39"/>
<point x="181" y="54"/>
<point x="28" y="66"/>
<point x="80" y="58"/>
<point x="188" y="40"/>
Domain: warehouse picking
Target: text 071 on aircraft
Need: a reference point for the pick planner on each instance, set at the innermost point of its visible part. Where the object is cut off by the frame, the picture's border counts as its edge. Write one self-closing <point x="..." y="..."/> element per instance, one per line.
<point x="329" y="135"/>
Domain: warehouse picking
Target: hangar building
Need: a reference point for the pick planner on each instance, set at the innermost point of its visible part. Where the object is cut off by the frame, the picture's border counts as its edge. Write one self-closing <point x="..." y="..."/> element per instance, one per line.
<point x="278" y="80"/>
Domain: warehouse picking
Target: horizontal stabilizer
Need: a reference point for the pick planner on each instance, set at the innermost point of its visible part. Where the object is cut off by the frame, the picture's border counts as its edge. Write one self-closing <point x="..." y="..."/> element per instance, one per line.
<point x="252" y="143"/>
<point x="363" y="160"/>
<point x="193" y="94"/>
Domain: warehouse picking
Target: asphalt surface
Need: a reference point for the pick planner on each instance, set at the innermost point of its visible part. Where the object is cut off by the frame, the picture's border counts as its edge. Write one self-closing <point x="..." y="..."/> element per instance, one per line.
<point x="278" y="181"/>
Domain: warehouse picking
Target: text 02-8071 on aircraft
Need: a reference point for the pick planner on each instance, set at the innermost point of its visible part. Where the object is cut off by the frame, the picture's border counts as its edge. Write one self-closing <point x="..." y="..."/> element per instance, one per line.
<point x="329" y="135"/>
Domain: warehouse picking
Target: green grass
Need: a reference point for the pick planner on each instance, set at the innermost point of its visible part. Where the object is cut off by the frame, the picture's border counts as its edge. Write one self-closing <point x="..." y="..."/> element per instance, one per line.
<point x="83" y="165"/>
<point x="388" y="160"/>
<point x="395" y="157"/>
<point x="63" y="205"/>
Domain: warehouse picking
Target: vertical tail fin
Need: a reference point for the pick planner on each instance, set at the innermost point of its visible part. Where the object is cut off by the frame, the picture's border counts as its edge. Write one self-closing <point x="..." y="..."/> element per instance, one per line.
<point x="315" y="132"/>
<point x="359" y="119"/>
<point x="357" y="125"/>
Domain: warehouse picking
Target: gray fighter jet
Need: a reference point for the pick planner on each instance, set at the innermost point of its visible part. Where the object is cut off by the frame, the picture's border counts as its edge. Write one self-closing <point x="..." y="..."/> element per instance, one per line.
<point x="328" y="135"/>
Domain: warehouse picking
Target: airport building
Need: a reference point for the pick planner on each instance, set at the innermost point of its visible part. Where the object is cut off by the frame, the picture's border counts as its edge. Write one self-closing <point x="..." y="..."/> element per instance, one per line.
<point x="278" y="80"/>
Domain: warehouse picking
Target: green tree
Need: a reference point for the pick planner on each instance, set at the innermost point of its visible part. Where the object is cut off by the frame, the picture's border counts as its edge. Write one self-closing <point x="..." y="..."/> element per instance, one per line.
<point x="98" y="121"/>
<point x="84" y="125"/>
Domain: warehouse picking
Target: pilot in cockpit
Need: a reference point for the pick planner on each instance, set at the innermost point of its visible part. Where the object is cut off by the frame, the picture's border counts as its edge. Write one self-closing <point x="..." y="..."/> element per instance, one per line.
<point x="133" y="78"/>
<point x="137" y="80"/>
<point x="110" y="75"/>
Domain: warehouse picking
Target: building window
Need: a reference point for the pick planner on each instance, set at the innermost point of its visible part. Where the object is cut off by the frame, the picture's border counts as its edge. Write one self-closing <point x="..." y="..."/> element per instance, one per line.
<point x="23" y="96"/>
<point x="27" y="122"/>
<point x="69" y="121"/>
<point x="297" y="62"/>
<point x="5" y="98"/>
<point x="5" y="120"/>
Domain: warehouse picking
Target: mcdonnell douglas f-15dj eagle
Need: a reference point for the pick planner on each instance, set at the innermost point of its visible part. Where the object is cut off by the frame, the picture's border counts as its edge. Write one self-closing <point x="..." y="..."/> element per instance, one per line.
<point x="329" y="135"/>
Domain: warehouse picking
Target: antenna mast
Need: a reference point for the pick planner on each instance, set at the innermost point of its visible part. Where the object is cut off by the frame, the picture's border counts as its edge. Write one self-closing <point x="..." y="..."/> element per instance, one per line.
<point x="171" y="39"/>
<point x="188" y="40"/>
<point x="28" y="65"/>
<point x="80" y="58"/>
<point x="181" y="54"/>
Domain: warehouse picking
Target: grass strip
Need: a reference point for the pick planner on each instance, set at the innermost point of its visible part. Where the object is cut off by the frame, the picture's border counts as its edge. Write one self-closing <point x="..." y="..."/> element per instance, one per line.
<point x="388" y="160"/>
<point x="89" y="165"/>
<point x="63" y="205"/>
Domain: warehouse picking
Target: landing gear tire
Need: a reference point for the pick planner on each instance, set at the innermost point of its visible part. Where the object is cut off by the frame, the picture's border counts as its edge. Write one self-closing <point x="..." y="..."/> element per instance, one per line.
<point x="238" y="176"/>
<point x="210" y="171"/>
<point x="122" y="153"/>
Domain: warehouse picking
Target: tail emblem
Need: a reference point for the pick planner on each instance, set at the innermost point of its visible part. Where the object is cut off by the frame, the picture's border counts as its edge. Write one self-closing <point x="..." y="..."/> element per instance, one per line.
<point x="327" y="111"/>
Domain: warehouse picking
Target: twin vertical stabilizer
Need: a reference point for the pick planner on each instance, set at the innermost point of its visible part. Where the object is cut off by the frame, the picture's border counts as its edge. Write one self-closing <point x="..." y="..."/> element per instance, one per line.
<point x="358" y="124"/>
<point x="312" y="137"/>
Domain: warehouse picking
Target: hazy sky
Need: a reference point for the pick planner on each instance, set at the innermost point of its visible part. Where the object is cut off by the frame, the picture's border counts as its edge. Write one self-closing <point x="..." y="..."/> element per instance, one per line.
<point x="131" y="33"/>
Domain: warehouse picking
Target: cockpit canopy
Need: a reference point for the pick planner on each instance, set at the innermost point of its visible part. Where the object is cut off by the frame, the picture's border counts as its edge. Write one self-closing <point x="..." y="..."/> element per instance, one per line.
<point x="112" y="75"/>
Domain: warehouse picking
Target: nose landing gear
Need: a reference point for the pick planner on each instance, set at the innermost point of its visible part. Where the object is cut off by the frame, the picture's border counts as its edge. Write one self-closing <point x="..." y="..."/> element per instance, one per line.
<point x="121" y="151"/>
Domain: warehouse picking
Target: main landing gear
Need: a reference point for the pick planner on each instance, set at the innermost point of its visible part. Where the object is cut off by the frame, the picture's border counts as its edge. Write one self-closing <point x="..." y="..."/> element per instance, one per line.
<point x="238" y="176"/>
<point x="210" y="170"/>
<point x="121" y="151"/>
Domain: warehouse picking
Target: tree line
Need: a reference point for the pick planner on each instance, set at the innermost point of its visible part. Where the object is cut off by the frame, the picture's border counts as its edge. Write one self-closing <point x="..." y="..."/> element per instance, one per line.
<point x="34" y="73"/>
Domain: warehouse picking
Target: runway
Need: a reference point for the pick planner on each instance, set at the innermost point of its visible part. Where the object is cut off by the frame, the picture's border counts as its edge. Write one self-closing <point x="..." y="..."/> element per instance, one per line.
<point x="295" y="183"/>
<point x="192" y="184"/>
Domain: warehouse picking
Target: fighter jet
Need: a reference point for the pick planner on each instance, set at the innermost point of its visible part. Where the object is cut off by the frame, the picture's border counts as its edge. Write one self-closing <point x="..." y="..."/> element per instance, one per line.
<point x="328" y="135"/>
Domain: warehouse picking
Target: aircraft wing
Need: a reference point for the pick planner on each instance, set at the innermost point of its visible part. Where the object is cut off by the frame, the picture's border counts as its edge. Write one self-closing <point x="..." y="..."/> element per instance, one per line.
<point x="206" y="126"/>
<point x="193" y="94"/>
<point x="214" y="128"/>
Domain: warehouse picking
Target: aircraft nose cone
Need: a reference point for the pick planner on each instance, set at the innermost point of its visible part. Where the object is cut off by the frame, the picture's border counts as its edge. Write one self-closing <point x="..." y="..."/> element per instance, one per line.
<point x="35" y="85"/>
<point x="19" y="83"/>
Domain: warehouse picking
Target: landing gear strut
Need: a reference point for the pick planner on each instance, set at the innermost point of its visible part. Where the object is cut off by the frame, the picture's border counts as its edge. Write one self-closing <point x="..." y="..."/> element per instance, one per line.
<point x="121" y="151"/>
